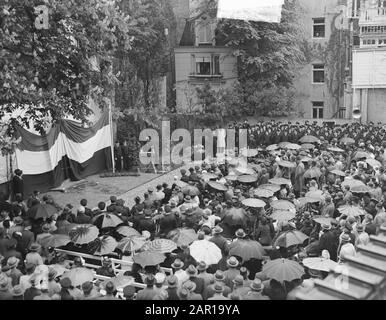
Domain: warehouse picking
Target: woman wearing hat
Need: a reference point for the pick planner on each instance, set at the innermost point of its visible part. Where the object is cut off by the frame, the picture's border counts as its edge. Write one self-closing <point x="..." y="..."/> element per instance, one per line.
<point x="346" y="248"/>
<point x="34" y="256"/>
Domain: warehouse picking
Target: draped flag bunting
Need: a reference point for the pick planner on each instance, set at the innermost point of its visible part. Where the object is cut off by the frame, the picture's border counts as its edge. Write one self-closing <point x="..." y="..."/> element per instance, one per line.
<point x="67" y="151"/>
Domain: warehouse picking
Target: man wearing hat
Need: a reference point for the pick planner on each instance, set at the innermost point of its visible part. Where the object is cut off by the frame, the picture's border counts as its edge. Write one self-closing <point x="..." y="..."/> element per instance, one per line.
<point x="5" y="288"/>
<point x="168" y="221"/>
<point x="178" y="271"/>
<point x="149" y="292"/>
<point x="33" y="256"/>
<point x="207" y="277"/>
<point x="219" y="240"/>
<point x="256" y="291"/>
<point x="191" y="286"/>
<point x="218" y="294"/>
<point x="110" y="292"/>
<point x="172" y="282"/>
<point x="239" y="287"/>
<point x="14" y="272"/>
<point x="18" y="183"/>
<point x="129" y="292"/>
<point x="147" y="223"/>
<point x="328" y="241"/>
<point x="219" y="278"/>
<point x="53" y="286"/>
<point x="232" y="271"/>
<point x="192" y="272"/>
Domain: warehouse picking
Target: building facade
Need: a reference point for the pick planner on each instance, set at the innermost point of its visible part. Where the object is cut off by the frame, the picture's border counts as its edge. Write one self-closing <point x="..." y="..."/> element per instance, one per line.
<point x="369" y="62"/>
<point x="321" y="88"/>
<point x="200" y="60"/>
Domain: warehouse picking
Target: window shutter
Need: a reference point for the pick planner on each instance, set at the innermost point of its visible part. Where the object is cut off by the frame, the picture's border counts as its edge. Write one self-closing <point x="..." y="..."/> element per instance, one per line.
<point x="193" y="64"/>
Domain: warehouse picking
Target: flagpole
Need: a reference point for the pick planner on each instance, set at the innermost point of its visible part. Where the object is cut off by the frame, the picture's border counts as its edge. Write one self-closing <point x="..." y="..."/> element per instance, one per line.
<point x="111" y="136"/>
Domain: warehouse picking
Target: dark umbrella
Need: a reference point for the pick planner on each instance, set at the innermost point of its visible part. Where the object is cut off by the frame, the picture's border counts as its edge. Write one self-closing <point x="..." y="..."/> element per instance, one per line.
<point x="42" y="210"/>
<point x="246" y="249"/>
<point x="235" y="217"/>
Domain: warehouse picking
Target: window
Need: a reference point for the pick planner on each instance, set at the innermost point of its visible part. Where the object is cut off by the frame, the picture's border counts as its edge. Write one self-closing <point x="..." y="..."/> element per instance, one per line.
<point x="204" y="32"/>
<point x="317" y="109"/>
<point x="206" y="65"/>
<point x="319" y="28"/>
<point x="318" y="73"/>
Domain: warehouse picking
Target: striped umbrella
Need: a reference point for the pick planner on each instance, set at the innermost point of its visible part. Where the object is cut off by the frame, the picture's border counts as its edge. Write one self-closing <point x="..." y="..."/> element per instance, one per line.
<point x="55" y="241"/>
<point x="182" y="236"/>
<point x="83" y="233"/>
<point x="131" y="244"/>
<point x="149" y="258"/>
<point x="106" y="220"/>
<point x="103" y="245"/>
<point x="162" y="246"/>
<point x="127" y="231"/>
<point x="283" y="270"/>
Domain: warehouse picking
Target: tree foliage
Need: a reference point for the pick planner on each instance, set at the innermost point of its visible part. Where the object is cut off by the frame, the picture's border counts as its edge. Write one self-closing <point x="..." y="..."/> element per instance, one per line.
<point x="51" y="73"/>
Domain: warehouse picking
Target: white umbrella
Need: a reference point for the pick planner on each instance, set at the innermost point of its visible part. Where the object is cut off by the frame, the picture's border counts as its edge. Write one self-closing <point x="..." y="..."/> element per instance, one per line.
<point x="204" y="250"/>
<point x="319" y="263"/>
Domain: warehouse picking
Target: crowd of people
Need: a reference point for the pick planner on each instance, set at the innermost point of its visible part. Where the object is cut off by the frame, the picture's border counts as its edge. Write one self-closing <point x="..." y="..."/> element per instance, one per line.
<point x="320" y="185"/>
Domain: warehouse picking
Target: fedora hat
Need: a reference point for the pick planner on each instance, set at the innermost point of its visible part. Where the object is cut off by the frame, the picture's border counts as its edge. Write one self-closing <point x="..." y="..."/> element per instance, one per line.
<point x="177" y="264"/>
<point x="218" y="288"/>
<point x="35" y="247"/>
<point x="18" y="221"/>
<point x="326" y="226"/>
<point x="257" y="285"/>
<point x="232" y="262"/>
<point x="238" y="280"/>
<point x="12" y="262"/>
<point x="202" y="266"/>
<point x="219" y="276"/>
<point x="17" y="291"/>
<point x="217" y="230"/>
<point x="240" y="233"/>
<point x="172" y="281"/>
<point x="189" y="285"/>
<point x="191" y="271"/>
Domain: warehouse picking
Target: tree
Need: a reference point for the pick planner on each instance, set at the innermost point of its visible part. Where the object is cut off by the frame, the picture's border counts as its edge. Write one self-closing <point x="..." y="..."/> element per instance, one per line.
<point x="51" y="73"/>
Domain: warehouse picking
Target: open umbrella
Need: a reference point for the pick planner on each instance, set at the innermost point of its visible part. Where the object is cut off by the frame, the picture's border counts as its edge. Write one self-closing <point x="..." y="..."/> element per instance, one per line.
<point x="290" y="238"/>
<point x="249" y="153"/>
<point x="131" y="244"/>
<point x="272" y="187"/>
<point x="208" y="176"/>
<point x="79" y="275"/>
<point x="42" y="210"/>
<point x="351" y="211"/>
<point x="231" y="177"/>
<point x="128" y="231"/>
<point x="286" y="164"/>
<point x="347" y="140"/>
<point x="149" y="258"/>
<point x="312" y="173"/>
<point x="55" y="241"/>
<point x="66" y="228"/>
<point x="361" y="155"/>
<point x="83" y="233"/>
<point x="322" y="220"/>
<point x="360" y="189"/>
<point x="103" y="245"/>
<point x="352" y="182"/>
<point x="374" y="163"/>
<point x="253" y="203"/>
<point x="263" y="193"/>
<point x="272" y="147"/>
<point x="307" y="146"/>
<point x="292" y="146"/>
<point x="309" y="139"/>
<point x="207" y="251"/>
<point x="305" y="200"/>
<point x="162" y="246"/>
<point x="245" y="170"/>
<point x="235" y="217"/>
<point x="338" y="173"/>
<point x="280" y="181"/>
<point x="59" y="269"/>
<point x="182" y="236"/>
<point x="282" y="215"/>
<point x="320" y="264"/>
<point x="283" y="270"/>
<point x="106" y="220"/>
<point x="247" y="178"/>
<point x="246" y="249"/>
<point x="316" y="194"/>
<point x="119" y="281"/>
<point x="191" y="191"/>
<point x="335" y="149"/>
<point x="282" y="205"/>
<point x="217" y="186"/>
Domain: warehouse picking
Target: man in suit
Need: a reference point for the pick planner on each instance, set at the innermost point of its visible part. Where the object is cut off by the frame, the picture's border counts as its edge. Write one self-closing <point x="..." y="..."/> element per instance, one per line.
<point x="232" y="271"/>
<point x="219" y="240"/>
<point x="328" y="241"/>
<point x="147" y="223"/>
<point x="168" y="222"/>
<point x="17" y="184"/>
<point x="149" y="292"/>
<point x="118" y="157"/>
<point x="199" y="282"/>
<point x="125" y="156"/>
